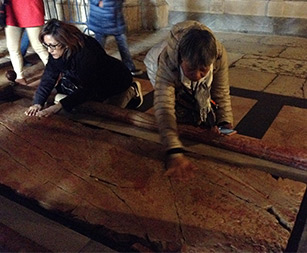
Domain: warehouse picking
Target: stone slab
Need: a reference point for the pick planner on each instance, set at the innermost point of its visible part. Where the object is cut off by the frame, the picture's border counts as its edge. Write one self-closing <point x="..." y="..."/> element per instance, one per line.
<point x="276" y="65"/>
<point x="42" y="234"/>
<point x="289" y="128"/>
<point x="291" y="156"/>
<point x="11" y="241"/>
<point x="195" y="147"/>
<point x="239" y="37"/>
<point x="244" y="47"/>
<point x="253" y="79"/>
<point x="233" y="57"/>
<point x="288" y="41"/>
<point x="117" y="182"/>
<point x="288" y="86"/>
<point x="240" y="106"/>
<point x="295" y="53"/>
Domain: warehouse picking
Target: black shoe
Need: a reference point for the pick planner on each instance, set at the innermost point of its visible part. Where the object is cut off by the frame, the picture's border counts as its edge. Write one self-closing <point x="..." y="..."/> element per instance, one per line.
<point x="27" y="63"/>
<point x="136" y="72"/>
<point x="138" y="94"/>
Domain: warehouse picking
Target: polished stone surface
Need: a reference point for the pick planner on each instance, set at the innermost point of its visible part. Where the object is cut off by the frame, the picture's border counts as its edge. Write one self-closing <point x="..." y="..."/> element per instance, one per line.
<point x="101" y="183"/>
<point x="288" y="128"/>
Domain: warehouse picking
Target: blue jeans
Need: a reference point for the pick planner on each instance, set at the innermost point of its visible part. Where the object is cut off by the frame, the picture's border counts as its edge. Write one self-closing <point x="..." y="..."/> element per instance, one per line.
<point x="24" y="43"/>
<point x="123" y="48"/>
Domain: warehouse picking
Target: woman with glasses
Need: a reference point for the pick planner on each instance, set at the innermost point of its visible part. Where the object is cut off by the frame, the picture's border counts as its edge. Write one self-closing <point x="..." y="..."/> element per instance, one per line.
<point x="28" y="14"/>
<point x="85" y="71"/>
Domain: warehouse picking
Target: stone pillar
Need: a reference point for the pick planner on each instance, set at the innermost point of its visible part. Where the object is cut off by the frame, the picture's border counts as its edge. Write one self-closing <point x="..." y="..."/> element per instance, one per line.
<point x="132" y="13"/>
<point x="154" y="14"/>
<point x="68" y="10"/>
<point x="55" y="9"/>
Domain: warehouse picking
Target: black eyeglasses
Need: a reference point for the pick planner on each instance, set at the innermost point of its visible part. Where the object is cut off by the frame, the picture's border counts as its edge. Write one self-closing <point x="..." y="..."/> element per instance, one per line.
<point x="51" y="46"/>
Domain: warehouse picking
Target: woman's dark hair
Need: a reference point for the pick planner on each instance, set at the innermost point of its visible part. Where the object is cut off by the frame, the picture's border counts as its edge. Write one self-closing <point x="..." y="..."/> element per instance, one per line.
<point x="68" y="35"/>
<point x="198" y="47"/>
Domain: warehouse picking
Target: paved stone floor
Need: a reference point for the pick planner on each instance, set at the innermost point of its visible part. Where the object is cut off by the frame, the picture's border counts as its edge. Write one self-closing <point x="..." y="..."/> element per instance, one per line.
<point x="268" y="77"/>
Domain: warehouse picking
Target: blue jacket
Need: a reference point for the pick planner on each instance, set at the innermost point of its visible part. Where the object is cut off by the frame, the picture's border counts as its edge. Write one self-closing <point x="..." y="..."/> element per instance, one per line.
<point x="107" y="20"/>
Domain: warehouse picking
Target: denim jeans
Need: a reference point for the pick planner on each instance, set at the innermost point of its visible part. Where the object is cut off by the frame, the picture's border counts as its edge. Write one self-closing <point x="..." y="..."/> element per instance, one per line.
<point x="123" y="48"/>
<point x="24" y="43"/>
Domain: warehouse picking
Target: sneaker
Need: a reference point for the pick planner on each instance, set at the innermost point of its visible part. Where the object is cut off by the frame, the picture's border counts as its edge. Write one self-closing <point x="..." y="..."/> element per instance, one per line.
<point x="138" y="94"/>
<point x="136" y="72"/>
<point x="58" y="97"/>
<point x="27" y="63"/>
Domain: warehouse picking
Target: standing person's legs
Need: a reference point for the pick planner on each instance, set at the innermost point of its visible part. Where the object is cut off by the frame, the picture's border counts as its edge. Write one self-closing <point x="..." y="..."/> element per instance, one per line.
<point x="24" y="43"/>
<point x="124" y="51"/>
<point x="24" y="48"/>
<point x="33" y="34"/>
<point x="101" y="38"/>
<point x="13" y="37"/>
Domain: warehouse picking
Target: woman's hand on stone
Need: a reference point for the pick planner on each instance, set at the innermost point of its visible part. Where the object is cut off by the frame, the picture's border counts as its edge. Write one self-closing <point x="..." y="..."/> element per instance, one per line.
<point x="50" y="110"/>
<point x="33" y="110"/>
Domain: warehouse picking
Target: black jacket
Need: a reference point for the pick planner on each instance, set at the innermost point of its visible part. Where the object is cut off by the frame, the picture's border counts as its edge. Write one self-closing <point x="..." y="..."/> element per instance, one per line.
<point x="97" y="75"/>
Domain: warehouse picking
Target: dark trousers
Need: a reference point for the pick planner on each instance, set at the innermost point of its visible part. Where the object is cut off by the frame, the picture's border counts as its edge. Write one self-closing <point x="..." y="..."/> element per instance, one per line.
<point x="123" y="48"/>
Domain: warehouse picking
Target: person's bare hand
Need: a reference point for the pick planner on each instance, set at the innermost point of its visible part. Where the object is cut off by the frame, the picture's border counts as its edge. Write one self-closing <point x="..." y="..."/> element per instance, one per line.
<point x="33" y="110"/>
<point x="50" y="110"/>
<point x="215" y="130"/>
<point x="180" y="168"/>
<point x="100" y="4"/>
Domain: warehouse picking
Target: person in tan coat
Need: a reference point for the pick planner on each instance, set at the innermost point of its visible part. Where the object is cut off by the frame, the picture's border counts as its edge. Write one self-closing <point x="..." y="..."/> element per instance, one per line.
<point x="190" y="86"/>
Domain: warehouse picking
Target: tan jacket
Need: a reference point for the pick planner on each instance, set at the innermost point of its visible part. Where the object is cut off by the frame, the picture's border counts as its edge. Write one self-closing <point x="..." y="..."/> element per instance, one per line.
<point x="168" y="79"/>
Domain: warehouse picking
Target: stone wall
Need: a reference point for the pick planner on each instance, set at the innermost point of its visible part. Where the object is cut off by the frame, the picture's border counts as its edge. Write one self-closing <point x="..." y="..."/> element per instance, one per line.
<point x="139" y="14"/>
<point x="283" y="17"/>
<point x="280" y="17"/>
<point x="267" y="8"/>
<point x="146" y="14"/>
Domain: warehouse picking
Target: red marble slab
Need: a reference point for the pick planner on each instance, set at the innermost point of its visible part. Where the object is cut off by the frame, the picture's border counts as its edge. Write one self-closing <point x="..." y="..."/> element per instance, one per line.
<point x="268" y="150"/>
<point x="115" y="182"/>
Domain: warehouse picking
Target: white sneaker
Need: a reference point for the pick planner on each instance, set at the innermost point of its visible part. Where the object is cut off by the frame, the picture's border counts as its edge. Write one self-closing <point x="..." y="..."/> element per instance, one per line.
<point x="138" y="93"/>
<point x="136" y="72"/>
<point x="58" y="97"/>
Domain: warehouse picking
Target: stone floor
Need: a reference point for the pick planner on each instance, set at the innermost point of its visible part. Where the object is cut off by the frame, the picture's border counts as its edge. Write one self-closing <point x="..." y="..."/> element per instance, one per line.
<point x="268" y="77"/>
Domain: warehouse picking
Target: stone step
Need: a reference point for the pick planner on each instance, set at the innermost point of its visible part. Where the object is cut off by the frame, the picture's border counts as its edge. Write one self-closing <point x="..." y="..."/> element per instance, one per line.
<point x="23" y="230"/>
